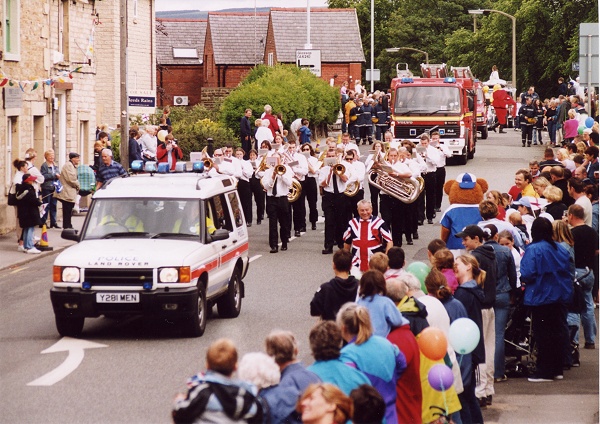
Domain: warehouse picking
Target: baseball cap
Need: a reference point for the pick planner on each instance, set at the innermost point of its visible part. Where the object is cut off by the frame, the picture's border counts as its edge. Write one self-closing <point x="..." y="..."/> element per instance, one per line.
<point x="471" y="231"/>
<point x="73" y="155"/>
<point x="466" y="180"/>
<point x="522" y="202"/>
<point x="28" y="178"/>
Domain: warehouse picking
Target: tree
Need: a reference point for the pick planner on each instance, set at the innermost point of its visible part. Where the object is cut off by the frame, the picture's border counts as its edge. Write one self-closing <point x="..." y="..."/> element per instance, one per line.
<point x="289" y="90"/>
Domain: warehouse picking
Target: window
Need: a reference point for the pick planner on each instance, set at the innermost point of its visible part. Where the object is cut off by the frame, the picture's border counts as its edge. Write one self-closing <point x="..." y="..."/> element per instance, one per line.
<point x="235" y="208"/>
<point x="135" y="9"/>
<point x="270" y="59"/>
<point x="185" y="53"/>
<point x="11" y="30"/>
<point x="217" y="207"/>
<point x="63" y="29"/>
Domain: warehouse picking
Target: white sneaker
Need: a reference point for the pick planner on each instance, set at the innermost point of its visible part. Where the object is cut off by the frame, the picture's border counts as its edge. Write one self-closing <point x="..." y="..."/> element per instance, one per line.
<point x="34" y="250"/>
<point x="21" y="248"/>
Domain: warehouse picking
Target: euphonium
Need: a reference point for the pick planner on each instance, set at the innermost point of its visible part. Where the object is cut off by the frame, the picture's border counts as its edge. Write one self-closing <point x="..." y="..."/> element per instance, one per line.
<point x="407" y="190"/>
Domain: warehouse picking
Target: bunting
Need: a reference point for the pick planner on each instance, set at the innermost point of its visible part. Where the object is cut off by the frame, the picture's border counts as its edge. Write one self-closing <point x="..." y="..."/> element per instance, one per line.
<point x="34" y="84"/>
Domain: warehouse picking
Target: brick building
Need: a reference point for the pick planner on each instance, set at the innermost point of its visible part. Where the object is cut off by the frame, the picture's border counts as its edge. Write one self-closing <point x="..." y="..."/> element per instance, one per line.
<point x="333" y="31"/>
<point x="234" y="45"/>
<point x="45" y="104"/>
<point x="180" y="63"/>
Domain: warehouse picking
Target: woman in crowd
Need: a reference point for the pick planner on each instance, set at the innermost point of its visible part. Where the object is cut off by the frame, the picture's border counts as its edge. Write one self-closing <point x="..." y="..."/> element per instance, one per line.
<point x="555" y="206"/>
<point x="506" y="239"/>
<point x="256" y="187"/>
<point x="539" y="185"/>
<point x="539" y="124"/>
<point x="496" y="197"/>
<point x="562" y="155"/>
<point x="470" y="294"/>
<point x="372" y="295"/>
<point x="325" y="404"/>
<point x="98" y="146"/>
<point x="169" y="152"/>
<point x="50" y="171"/>
<point x="21" y="169"/>
<point x="309" y="185"/>
<point x="263" y="133"/>
<point x="363" y="346"/>
<point x="570" y="127"/>
<point x="27" y="211"/>
<point x="551" y="116"/>
<point x="546" y="274"/>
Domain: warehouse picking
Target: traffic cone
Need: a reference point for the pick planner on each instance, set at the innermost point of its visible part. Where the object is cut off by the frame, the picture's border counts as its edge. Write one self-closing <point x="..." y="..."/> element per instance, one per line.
<point x="43" y="244"/>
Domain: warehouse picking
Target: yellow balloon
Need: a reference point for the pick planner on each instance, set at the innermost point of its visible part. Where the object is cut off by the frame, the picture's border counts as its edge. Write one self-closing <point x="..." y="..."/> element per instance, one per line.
<point x="162" y="134"/>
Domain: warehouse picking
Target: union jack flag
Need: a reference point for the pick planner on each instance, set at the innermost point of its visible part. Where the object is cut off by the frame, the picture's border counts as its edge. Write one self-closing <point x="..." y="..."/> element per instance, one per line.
<point x="366" y="238"/>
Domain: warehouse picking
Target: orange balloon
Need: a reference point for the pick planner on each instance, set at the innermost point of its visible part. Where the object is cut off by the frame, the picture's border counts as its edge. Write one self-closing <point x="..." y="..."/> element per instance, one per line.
<point x="433" y="343"/>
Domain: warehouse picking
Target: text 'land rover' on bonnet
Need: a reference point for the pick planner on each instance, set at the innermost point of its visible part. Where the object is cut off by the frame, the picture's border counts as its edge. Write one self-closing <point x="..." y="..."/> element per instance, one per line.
<point x="159" y="245"/>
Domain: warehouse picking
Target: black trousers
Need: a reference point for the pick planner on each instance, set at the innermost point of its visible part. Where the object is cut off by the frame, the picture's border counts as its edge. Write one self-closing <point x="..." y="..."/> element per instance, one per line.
<point x="246" y="145"/>
<point x="353" y="202"/>
<point x="309" y="187"/>
<point x="549" y="331"/>
<point x="393" y="212"/>
<point x="298" y="211"/>
<point x="259" y="198"/>
<point x="278" y="213"/>
<point x="440" y="179"/>
<point x="67" y="212"/>
<point x="336" y="222"/>
<point x="245" y="193"/>
<point x="366" y="133"/>
<point x="375" y="199"/>
<point x="526" y="133"/>
<point x="426" y="201"/>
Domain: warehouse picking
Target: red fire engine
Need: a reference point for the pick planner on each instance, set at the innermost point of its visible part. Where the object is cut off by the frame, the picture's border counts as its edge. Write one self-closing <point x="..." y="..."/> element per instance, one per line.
<point x="437" y="102"/>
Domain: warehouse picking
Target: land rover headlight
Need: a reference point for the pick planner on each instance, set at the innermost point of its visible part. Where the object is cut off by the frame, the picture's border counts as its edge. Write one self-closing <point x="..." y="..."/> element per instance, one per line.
<point x="68" y="274"/>
<point x="174" y="275"/>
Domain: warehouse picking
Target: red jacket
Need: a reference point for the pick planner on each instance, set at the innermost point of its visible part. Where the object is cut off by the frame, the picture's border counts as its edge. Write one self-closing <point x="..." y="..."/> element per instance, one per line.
<point x="161" y="154"/>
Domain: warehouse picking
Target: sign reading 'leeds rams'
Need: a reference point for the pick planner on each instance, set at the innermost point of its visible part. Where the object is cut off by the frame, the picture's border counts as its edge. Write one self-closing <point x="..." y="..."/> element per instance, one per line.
<point x="309" y="59"/>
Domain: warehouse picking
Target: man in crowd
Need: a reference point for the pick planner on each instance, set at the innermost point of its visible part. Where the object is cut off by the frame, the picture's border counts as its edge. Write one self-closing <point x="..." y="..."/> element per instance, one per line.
<point x="109" y="169"/>
<point x="576" y="191"/>
<point x="557" y="173"/>
<point x="246" y="132"/>
<point x="527" y="118"/>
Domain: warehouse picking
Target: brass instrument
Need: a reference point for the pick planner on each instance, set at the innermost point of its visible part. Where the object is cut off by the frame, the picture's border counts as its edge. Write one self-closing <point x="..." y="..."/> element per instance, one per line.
<point x="296" y="187"/>
<point x="352" y="189"/>
<point x="339" y="169"/>
<point x="280" y="169"/>
<point x="208" y="164"/>
<point x="407" y="190"/>
<point x="263" y="164"/>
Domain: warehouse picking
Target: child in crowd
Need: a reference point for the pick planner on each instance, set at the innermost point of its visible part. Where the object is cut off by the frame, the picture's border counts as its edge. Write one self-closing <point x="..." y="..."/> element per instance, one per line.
<point x="372" y="295"/>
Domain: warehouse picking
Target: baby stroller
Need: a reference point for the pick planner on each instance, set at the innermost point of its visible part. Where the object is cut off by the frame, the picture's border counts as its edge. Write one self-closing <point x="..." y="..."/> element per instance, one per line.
<point x="520" y="350"/>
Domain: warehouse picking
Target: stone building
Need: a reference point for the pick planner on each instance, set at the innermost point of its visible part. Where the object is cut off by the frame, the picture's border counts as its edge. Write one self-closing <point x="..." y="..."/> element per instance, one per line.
<point x="180" y="63"/>
<point x="59" y="66"/>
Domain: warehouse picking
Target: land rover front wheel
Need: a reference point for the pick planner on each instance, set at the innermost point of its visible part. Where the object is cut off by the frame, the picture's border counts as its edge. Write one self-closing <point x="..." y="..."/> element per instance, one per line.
<point x="69" y="326"/>
<point x="197" y="322"/>
<point x="230" y="304"/>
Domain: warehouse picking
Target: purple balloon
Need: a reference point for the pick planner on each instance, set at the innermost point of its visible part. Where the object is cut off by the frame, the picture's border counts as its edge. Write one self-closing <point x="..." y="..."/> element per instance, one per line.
<point x="440" y="377"/>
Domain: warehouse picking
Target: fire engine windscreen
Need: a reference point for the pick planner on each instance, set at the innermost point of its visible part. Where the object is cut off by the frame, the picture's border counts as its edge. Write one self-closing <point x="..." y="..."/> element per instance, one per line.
<point x="420" y="100"/>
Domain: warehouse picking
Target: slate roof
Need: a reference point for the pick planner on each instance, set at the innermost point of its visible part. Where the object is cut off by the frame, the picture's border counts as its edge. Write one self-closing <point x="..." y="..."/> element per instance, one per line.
<point x="326" y="29"/>
<point x="233" y="39"/>
<point x="181" y="33"/>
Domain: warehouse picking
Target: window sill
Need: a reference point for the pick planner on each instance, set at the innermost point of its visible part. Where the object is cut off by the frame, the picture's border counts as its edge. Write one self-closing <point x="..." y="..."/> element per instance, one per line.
<point x="12" y="57"/>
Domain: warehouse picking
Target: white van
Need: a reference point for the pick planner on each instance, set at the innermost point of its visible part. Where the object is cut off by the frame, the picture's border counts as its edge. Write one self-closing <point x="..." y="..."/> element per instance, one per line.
<point x="161" y="245"/>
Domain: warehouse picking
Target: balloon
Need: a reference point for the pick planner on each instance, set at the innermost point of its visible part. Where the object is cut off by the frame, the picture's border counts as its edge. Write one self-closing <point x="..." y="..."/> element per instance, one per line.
<point x="433" y="343"/>
<point x="162" y="134"/>
<point x="589" y="122"/>
<point x="581" y="129"/>
<point x="440" y="377"/>
<point x="419" y="270"/>
<point x="463" y="335"/>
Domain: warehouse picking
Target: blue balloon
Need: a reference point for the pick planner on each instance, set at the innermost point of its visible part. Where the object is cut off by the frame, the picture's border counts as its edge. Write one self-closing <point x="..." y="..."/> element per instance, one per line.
<point x="463" y="335"/>
<point x="589" y="122"/>
<point x="440" y="377"/>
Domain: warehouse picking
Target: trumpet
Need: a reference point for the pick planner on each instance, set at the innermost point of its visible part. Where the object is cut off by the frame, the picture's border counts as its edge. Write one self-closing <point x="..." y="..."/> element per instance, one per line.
<point x="208" y="164"/>
<point x="280" y="169"/>
<point x="339" y="169"/>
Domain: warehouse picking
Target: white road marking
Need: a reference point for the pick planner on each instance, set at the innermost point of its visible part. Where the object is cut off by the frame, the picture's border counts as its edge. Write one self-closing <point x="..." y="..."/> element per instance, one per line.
<point x="253" y="258"/>
<point x="76" y="348"/>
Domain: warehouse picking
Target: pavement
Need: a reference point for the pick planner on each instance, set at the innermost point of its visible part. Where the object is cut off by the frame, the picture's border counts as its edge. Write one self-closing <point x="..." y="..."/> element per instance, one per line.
<point x="10" y="257"/>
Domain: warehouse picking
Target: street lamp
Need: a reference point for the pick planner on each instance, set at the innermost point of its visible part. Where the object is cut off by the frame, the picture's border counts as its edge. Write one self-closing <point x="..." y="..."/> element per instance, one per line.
<point x="486" y="12"/>
<point x="397" y="49"/>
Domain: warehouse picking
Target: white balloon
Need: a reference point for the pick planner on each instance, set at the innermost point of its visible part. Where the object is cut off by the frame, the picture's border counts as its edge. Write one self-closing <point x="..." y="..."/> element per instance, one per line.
<point x="162" y="134"/>
<point x="464" y="335"/>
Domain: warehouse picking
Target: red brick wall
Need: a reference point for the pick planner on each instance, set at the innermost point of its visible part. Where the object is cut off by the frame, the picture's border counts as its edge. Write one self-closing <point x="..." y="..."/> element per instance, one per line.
<point x="210" y="72"/>
<point x="232" y="75"/>
<point x="180" y="80"/>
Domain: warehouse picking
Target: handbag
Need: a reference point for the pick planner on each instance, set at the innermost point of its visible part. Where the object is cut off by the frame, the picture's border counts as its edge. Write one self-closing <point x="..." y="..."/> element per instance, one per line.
<point x="58" y="187"/>
<point x="578" y="303"/>
<point x="12" y="197"/>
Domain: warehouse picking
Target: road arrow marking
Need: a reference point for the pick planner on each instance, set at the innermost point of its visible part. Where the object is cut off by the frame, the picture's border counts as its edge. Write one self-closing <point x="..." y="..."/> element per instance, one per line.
<point x="76" y="348"/>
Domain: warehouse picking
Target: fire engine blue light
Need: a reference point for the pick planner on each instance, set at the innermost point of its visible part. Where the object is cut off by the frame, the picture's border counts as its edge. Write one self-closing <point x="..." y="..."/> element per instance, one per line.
<point x="198" y="167"/>
<point x="450" y="80"/>
<point x="86" y="285"/>
<point x="406" y="80"/>
<point x="147" y="285"/>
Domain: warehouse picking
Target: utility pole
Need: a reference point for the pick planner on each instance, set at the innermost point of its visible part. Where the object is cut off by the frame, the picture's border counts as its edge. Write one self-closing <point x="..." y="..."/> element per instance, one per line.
<point x="124" y="146"/>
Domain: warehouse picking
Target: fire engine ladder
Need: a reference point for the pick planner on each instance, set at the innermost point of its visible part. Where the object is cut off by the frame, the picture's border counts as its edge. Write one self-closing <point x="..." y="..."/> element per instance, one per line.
<point x="435" y="70"/>
<point x="461" y="72"/>
<point x="403" y="73"/>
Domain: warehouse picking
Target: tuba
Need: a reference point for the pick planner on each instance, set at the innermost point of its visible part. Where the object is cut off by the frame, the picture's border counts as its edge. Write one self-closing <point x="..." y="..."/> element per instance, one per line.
<point x="407" y="190"/>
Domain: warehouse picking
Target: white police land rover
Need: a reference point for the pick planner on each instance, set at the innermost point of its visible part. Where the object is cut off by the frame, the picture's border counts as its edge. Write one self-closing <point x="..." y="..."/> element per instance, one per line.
<point x="161" y="245"/>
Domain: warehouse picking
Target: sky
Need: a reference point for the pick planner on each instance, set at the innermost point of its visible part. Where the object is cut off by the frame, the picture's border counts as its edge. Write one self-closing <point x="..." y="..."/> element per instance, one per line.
<point x="212" y="5"/>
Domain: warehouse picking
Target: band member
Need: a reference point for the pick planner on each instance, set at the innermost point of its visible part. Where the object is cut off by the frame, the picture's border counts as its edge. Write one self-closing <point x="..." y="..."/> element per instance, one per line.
<point x="358" y="177"/>
<point x="416" y="166"/>
<point x="433" y="159"/>
<point x="393" y="211"/>
<point x="375" y="156"/>
<point x="256" y="188"/>
<point x="366" y="236"/>
<point x="277" y="182"/>
<point x="440" y="172"/>
<point x="220" y="166"/>
<point x="309" y="185"/>
<point x="333" y="203"/>
<point x="243" y="187"/>
<point x="347" y="144"/>
<point x="299" y="166"/>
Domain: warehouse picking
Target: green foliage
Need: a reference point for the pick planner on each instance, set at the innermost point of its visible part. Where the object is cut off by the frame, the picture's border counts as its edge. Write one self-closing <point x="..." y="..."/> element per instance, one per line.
<point x="191" y="136"/>
<point x="115" y="145"/>
<point x="288" y="89"/>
